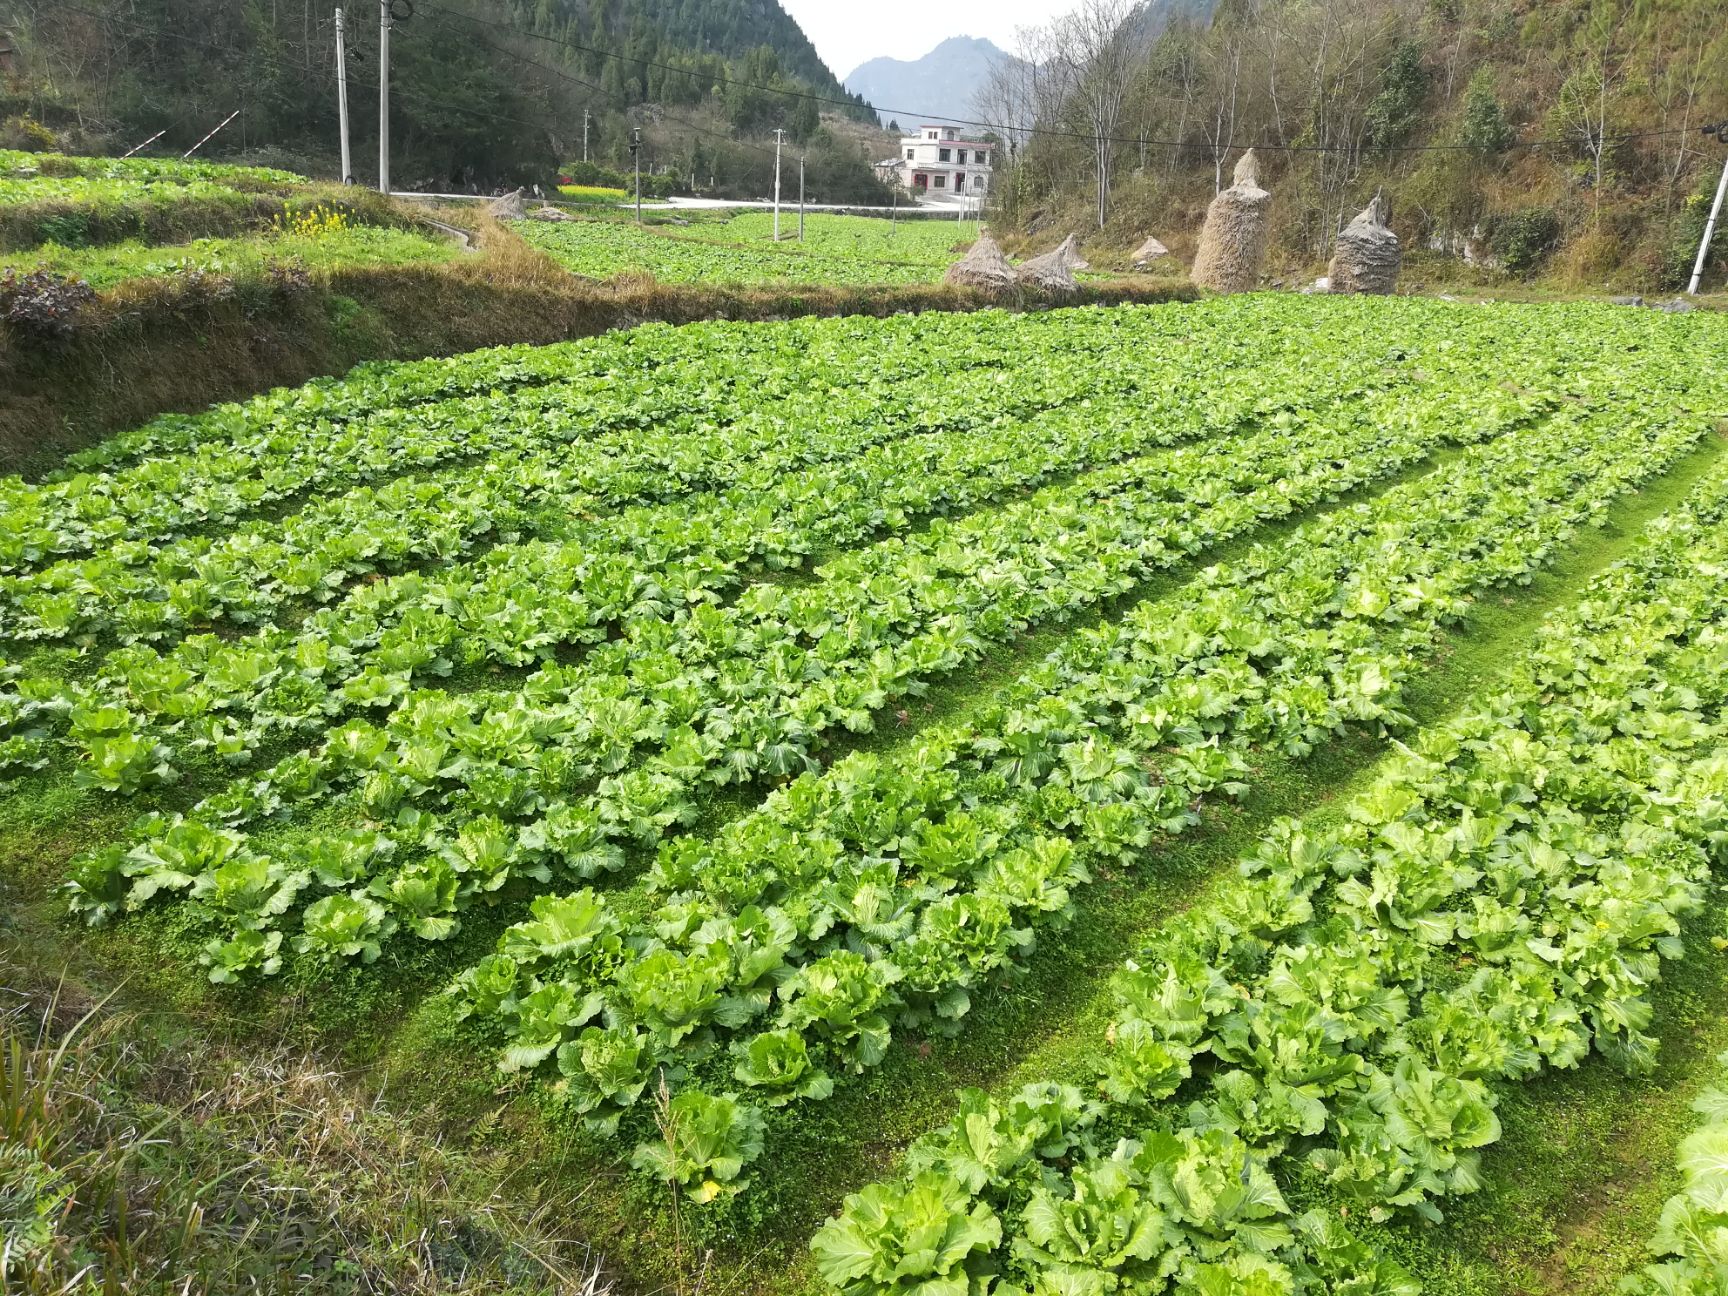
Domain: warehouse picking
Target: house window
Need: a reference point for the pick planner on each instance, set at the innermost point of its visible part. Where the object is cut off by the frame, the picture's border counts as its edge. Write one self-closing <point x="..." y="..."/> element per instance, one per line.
<point x="977" y="182"/>
<point x="981" y="156"/>
<point x="941" y="181"/>
<point x="929" y="134"/>
<point x="942" y="154"/>
<point x="908" y="155"/>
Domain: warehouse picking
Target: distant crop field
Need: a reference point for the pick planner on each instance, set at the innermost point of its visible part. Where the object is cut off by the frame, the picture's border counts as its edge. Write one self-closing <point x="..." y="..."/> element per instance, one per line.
<point x="1213" y="798"/>
<point x="111" y="220"/>
<point x="40" y="177"/>
<point x="836" y="249"/>
<point x="355" y="245"/>
<point x="591" y="194"/>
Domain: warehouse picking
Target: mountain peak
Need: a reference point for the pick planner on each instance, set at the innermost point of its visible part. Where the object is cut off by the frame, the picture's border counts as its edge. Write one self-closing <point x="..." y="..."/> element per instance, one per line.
<point x="941" y="84"/>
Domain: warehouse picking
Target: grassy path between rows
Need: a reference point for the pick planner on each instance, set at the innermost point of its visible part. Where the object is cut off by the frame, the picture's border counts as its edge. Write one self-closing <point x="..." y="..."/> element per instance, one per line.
<point x="1573" y="1190"/>
<point x="1598" y="1145"/>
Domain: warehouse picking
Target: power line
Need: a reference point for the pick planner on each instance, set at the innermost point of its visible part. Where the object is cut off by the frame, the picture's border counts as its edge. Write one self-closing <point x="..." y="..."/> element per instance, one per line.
<point x="587" y="85"/>
<point x="1052" y="131"/>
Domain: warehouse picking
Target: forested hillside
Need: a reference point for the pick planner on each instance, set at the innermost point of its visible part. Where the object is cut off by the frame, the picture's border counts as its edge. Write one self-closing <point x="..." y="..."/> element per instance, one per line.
<point x="1561" y="137"/>
<point x="484" y="92"/>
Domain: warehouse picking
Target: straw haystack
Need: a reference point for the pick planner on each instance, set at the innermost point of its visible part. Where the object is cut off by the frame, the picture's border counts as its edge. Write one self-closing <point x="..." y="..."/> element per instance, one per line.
<point x="509" y="207"/>
<point x="1367" y="258"/>
<point x="1148" y="252"/>
<point x="1070" y="250"/>
<point x="1233" y="240"/>
<point x="983" y="266"/>
<point x="550" y="214"/>
<point x="1054" y="270"/>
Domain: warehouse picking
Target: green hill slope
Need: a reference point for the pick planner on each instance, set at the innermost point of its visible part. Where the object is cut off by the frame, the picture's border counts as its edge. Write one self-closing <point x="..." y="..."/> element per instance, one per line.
<point x="484" y="92"/>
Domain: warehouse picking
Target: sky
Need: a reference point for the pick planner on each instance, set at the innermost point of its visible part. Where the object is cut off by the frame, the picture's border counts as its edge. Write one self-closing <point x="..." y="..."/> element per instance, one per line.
<point x="847" y="32"/>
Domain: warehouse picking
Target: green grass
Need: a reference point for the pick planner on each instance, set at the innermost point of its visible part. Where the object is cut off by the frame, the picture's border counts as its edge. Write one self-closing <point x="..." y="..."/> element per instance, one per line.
<point x="358" y="245"/>
<point x="1574" y="1187"/>
<point x="151" y="1152"/>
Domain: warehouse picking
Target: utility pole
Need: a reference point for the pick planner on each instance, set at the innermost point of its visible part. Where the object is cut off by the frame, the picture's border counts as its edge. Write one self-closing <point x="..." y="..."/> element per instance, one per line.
<point x="800" y="198"/>
<point x="636" y="160"/>
<point x="778" y="136"/>
<point x="384" y="96"/>
<point x="342" y="99"/>
<point x="584" y="134"/>
<point x="1709" y="230"/>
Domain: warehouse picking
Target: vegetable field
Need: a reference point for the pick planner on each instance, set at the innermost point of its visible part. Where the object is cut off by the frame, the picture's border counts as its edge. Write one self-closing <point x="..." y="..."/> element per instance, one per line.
<point x="741" y="250"/>
<point x="109" y="221"/>
<point x="353" y="245"/>
<point x="37" y="177"/>
<point x="1105" y="800"/>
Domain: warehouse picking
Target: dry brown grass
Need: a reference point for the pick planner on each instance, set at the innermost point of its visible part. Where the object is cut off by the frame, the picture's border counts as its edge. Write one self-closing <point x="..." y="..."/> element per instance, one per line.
<point x="140" y="1155"/>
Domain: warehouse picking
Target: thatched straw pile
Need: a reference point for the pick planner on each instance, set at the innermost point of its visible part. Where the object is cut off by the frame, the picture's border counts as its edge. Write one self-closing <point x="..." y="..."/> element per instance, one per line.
<point x="1070" y="250"/>
<point x="1148" y="252"/>
<point x="1233" y="240"/>
<point x="1053" y="271"/>
<point x="509" y="207"/>
<point x="983" y="266"/>
<point x="550" y="213"/>
<point x="1367" y="259"/>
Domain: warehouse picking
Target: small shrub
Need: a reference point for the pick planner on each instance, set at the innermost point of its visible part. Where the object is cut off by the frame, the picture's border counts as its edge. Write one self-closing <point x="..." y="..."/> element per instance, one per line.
<point x="315" y="221"/>
<point x="68" y="228"/>
<point x="288" y="277"/>
<point x="588" y="174"/>
<point x="27" y="134"/>
<point x="43" y="303"/>
<point x="1398" y="107"/>
<point x="1523" y="239"/>
<point x="1688" y="231"/>
<point x="1485" y="132"/>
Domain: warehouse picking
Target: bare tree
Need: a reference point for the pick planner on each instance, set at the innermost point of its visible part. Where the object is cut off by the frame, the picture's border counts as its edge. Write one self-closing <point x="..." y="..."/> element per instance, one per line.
<point x="1594" y="82"/>
<point x="1677" y="70"/>
<point x="1093" y="61"/>
<point x="1224" y="54"/>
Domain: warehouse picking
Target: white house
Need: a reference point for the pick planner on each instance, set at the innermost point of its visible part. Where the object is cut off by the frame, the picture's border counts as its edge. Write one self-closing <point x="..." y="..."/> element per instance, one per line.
<point x="937" y="161"/>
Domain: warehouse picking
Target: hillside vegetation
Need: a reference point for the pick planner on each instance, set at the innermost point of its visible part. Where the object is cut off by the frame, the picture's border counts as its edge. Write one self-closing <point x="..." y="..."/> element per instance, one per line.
<point x="484" y="92"/>
<point x="1518" y="138"/>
